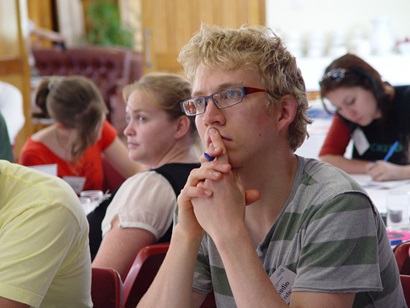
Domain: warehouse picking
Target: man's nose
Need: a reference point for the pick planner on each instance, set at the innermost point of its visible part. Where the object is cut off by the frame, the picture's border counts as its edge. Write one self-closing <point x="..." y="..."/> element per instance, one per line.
<point x="212" y="113"/>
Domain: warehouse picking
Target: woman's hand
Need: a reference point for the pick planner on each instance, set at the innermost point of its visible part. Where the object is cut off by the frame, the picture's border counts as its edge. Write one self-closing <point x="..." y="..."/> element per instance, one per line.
<point x="384" y="171"/>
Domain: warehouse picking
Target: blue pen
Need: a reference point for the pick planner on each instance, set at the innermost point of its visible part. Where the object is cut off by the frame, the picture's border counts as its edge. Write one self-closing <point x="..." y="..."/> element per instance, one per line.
<point x="391" y="151"/>
<point x="208" y="157"/>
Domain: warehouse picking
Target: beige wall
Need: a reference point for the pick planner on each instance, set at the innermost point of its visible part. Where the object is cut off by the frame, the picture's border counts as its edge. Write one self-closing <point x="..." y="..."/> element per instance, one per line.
<point x="329" y="17"/>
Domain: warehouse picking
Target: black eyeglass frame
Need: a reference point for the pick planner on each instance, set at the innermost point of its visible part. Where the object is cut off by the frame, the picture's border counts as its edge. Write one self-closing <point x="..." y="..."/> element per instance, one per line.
<point x="244" y="91"/>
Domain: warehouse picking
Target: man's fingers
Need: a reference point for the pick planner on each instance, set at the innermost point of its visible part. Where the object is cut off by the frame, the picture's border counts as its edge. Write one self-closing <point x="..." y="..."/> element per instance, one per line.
<point x="251" y="196"/>
<point x="217" y="149"/>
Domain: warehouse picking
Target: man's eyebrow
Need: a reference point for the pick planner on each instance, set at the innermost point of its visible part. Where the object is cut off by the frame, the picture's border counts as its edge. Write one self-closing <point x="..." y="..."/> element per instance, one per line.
<point x="221" y="87"/>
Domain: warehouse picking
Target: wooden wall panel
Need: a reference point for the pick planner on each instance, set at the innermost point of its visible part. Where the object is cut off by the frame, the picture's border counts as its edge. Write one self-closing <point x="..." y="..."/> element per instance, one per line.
<point x="168" y="25"/>
<point x="14" y="58"/>
<point x="40" y="12"/>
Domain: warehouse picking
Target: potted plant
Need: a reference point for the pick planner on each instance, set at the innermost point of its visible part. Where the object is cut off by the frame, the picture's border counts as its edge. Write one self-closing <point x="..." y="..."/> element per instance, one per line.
<point x="104" y="25"/>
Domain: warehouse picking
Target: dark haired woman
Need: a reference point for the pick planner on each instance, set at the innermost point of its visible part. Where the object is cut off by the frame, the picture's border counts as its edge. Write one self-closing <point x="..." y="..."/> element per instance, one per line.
<point x="79" y="136"/>
<point x="371" y="113"/>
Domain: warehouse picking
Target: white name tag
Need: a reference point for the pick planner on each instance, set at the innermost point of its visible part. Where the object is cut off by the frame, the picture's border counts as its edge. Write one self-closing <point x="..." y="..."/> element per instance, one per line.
<point x="283" y="280"/>
<point x="360" y="141"/>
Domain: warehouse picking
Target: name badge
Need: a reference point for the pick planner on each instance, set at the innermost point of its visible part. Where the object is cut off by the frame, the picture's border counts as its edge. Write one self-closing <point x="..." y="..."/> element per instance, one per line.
<point x="360" y="141"/>
<point x="283" y="280"/>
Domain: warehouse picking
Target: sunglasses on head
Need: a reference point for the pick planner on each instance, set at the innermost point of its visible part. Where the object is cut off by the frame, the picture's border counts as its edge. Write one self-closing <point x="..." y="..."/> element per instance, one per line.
<point x="336" y="74"/>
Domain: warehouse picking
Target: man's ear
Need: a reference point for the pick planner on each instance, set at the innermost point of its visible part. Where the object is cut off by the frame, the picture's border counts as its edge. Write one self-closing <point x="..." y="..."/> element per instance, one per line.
<point x="183" y="125"/>
<point x="287" y="111"/>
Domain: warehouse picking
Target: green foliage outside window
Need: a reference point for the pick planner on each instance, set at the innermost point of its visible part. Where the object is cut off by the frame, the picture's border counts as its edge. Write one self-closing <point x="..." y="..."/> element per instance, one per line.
<point x="105" y="25"/>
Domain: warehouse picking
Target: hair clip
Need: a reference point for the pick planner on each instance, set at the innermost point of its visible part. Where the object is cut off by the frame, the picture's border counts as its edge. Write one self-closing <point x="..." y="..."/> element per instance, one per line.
<point x="51" y="84"/>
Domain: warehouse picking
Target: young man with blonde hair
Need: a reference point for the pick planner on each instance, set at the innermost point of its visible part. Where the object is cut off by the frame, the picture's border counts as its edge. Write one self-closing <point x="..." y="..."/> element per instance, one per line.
<point x="258" y="225"/>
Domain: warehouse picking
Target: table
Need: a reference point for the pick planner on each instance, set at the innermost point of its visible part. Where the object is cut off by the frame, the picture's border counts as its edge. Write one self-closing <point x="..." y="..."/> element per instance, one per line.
<point x="89" y="206"/>
<point x="377" y="190"/>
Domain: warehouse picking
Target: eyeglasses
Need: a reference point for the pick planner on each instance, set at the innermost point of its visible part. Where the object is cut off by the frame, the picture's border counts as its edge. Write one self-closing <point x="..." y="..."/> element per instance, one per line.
<point x="223" y="99"/>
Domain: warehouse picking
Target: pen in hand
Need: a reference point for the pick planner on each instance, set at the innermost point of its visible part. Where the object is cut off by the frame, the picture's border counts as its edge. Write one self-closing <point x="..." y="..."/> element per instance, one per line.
<point x="391" y="151"/>
<point x="382" y="174"/>
<point x="208" y="157"/>
<point x="388" y="154"/>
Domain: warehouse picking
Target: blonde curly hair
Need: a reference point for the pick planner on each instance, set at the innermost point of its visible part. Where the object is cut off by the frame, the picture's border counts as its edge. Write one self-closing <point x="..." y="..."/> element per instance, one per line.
<point x="255" y="48"/>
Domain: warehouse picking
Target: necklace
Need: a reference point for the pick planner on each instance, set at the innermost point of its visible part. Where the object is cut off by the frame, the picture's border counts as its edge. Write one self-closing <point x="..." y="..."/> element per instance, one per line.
<point x="73" y="166"/>
<point x="64" y="147"/>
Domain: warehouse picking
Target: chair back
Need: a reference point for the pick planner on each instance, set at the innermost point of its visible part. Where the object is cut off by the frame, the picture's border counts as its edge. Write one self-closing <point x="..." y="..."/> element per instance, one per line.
<point x="142" y="272"/>
<point x="112" y="178"/>
<point x="209" y="301"/>
<point x="405" y="283"/>
<point x="401" y="253"/>
<point x="106" y="288"/>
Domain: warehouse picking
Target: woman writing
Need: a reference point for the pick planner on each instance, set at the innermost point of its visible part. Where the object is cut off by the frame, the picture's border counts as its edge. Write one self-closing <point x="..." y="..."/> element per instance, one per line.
<point x="372" y="113"/>
<point x="79" y="136"/>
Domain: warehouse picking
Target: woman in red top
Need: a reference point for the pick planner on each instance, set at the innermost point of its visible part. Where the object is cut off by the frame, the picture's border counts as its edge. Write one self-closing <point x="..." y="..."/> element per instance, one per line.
<point x="371" y="113"/>
<point x="79" y="135"/>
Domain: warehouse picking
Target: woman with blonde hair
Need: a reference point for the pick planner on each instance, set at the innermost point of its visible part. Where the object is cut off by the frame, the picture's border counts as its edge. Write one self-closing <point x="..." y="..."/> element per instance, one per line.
<point x="161" y="136"/>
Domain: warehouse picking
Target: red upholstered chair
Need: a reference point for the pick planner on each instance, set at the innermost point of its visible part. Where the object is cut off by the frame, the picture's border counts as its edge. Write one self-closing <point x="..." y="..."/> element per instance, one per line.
<point x="209" y="301"/>
<point x="107" y="290"/>
<point x="401" y="253"/>
<point x="405" y="283"/>
<point x="112" y="178"/>
<point x="142" y="272"/>
<point x="110" y="67"/>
